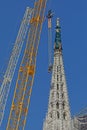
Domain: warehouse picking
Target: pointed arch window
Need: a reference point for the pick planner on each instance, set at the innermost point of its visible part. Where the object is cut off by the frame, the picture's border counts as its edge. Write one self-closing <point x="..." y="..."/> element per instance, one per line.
<point x="64" y="115"/>
<point x="62" y="87"/>
<point x="63" y="105"/>
<point x="57" y="77"/>
<point x="60" y="77"/>
<point x="58" y="116"/>
<point x="57" y="68"/>
<point x="57" y="86"/>
<point x="57" y="105"/>
<point x="62" y="95"/>
<point x="52" y="94"/>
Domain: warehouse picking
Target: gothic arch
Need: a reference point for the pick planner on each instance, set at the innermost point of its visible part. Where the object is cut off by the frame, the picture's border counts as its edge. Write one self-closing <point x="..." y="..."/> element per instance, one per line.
<point x="64" y="115"/>
<point x="63" y="104"/>
<point x="57" y="105"/>
<point x="58" y="116"/>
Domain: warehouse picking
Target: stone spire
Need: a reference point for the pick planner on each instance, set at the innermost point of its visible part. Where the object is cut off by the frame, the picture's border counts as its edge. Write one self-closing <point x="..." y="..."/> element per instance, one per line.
<point x="58" y="116"/>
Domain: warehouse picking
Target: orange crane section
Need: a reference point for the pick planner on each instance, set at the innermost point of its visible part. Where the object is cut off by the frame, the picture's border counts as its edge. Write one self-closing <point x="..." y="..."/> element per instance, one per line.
<point x="23" y="89"/>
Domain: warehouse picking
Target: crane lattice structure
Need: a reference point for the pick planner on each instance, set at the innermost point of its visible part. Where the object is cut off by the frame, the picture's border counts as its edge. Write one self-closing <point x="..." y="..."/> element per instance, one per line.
<point x="5" y="87"/>
<point x="23" y="89"/>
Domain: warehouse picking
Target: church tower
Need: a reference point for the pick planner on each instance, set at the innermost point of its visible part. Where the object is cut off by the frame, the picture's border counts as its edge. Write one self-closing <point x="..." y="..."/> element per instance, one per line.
<point x="58" y="116"/>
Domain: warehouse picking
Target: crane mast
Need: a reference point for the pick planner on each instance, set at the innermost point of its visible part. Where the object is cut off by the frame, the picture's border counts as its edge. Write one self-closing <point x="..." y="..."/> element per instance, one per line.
<point x="23" y="89"/>
<point x="5" y="87"/>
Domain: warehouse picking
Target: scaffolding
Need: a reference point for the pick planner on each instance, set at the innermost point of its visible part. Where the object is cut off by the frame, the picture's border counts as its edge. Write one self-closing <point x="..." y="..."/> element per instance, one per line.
<point x="80" y="120"/>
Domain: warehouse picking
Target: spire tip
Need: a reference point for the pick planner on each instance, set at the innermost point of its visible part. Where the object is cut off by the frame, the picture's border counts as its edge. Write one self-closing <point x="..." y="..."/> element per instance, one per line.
<point x="58" y="22"/>
<point x="58" y="36"/>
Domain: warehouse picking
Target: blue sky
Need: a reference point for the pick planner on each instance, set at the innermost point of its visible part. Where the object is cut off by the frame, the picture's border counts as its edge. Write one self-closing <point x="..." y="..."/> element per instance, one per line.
<point x="73" y="19"/>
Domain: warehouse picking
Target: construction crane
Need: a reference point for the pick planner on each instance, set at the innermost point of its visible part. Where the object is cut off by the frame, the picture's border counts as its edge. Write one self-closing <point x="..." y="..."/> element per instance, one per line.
<point x="5" y="86"/>
<point x="49" y="16"/>
<point x="23" y="89"/>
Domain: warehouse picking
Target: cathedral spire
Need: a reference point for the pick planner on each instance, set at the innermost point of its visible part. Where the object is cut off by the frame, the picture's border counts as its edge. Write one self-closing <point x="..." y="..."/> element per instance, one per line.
<point x="58" y="44"/>
<point x="58" y="116"/>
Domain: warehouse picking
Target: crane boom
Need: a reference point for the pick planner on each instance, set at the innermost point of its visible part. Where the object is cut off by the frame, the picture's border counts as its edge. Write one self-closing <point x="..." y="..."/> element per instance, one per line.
<point x="5" y="87"/>
<point x="23" y="89"/>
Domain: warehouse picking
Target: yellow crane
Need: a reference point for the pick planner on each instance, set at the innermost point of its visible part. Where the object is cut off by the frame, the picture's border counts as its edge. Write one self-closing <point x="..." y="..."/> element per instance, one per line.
<point x="16" y="51"/>
<point x="23" y="89"/>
